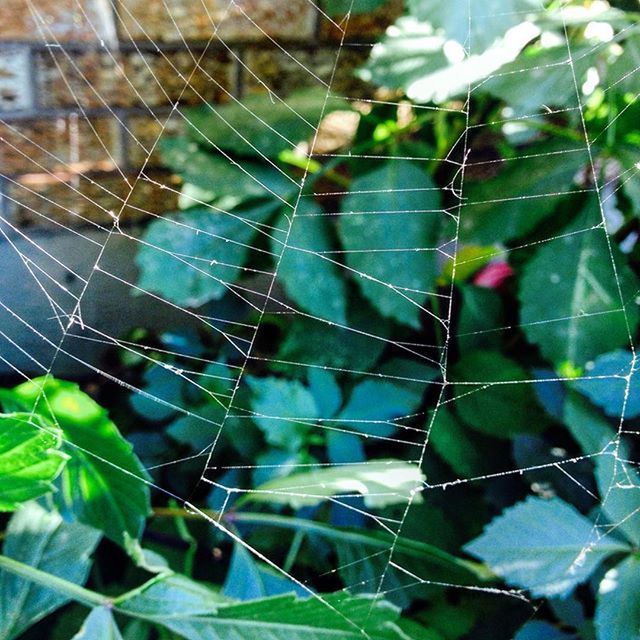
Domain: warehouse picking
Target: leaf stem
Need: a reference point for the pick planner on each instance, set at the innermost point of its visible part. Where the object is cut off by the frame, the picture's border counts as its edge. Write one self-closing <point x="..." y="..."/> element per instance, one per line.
<point x="49" y="581"/>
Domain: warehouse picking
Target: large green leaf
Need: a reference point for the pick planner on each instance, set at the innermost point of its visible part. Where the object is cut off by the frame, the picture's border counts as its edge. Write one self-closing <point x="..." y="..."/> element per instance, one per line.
<point x="481" y="320"/>
<point x="522" y="194"/>
<point x="262" y="125"/>
<point x="587" y="426"/>
<point x="250" y="579"/>
<point x="571" y="305"/>
<point x="311" y="279"/>
<point x="542" y="78"/>
<point x="380" y="482"/>
<point x="608" y="388"/>
<point x="618" y="609"/>
<point x="619" y="487"/>
<point x="472" y="24"/>
<point x="285" y="410"/>
<point x="389" y="228"/>
<point x="544" y="546"/>
<point x="42" y="540"/>
<point x="99" y="625"/>
<point x="322" y="617"/>
<point x="103" y="483"/>
<point x="412" y="58"/>
<point x="317" y="343"/>
<point x="456" y="444"/>
<point x="218" y="177"/>
<point x="495" y="398"/>
<point x="30" y="459"/>
<point x="375" y="404"/>
<point x="203" y="250"/>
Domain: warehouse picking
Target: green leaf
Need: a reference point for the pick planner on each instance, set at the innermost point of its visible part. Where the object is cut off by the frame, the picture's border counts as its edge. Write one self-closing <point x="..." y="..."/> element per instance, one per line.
<point x="99" y="625"/>
<point x="103" y="484"/>
<point x="481" y="319"/>
<point x="587" y="426"/>
<point x="249" y="579"/>
<point x="609" y="386"/>
<point x="619" y="487"/>
<point x="263" y="124"/>
<point x="456" y="445"/>
<point x="203" y="250"/>
<point x="389" y="229"/>
<point x="544" y="546"/>
<point x="630" y="178"/>
<point x="474" y="25"/>
<point x="310" y="278"/>
<point x="30" y="459"/>
<point x="571" y="306"/>
<point x="499" y="404"/>
<point x="375" y="404"/>
<point x="218" y="177"/>
<point x="622" y="73"/>
<point x="357" y="348"/>
<point x="325" y="390"/>
<point x="412" y="58"/>
<point x="171" y="596"/>
<point x="380" y="482"/>
<point x="494" y="210"/>
<point x="42" y="540"/>
<point x="283" y="409"/>
<point x="618" y="606"/>
<point x="542" y="78"/>
<point x="330" y="616"/>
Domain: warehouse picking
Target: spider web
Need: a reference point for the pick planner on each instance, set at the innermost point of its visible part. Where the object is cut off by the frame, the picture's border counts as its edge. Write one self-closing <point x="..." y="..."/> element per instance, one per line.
<point x="260" y="297"/>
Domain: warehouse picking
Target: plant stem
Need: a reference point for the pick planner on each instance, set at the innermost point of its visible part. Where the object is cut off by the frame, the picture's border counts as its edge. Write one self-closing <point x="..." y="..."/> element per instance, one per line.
<point x="49" y="581"/>
<point x="177" y="512"/>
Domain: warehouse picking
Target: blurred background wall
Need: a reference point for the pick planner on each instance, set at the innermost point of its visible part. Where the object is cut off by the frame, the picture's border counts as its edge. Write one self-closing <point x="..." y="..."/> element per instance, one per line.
<point x="86" y="89"/>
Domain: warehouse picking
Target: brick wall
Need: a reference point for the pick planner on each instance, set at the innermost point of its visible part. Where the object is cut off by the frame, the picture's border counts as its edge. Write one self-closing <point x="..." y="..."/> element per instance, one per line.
<point x="86" y="87"/>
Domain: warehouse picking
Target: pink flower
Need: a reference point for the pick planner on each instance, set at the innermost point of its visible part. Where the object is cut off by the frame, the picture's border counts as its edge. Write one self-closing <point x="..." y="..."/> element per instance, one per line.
<point x="493" y="275"/>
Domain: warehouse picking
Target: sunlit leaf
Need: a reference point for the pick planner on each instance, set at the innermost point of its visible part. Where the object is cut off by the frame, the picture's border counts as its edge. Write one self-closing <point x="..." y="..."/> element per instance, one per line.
<point x="30" y="458"/>
<point x="103" y="484"/>
<point x="380" y="482"/>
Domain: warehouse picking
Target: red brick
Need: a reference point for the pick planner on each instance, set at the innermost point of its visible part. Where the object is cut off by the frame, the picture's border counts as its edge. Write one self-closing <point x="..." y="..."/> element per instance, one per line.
<point x="241" y="20"/>
<point x="42" y="200"/>
<point x="98" y="79"/>
<point x="54" y="21"/>
<point x="31" y="146"/>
